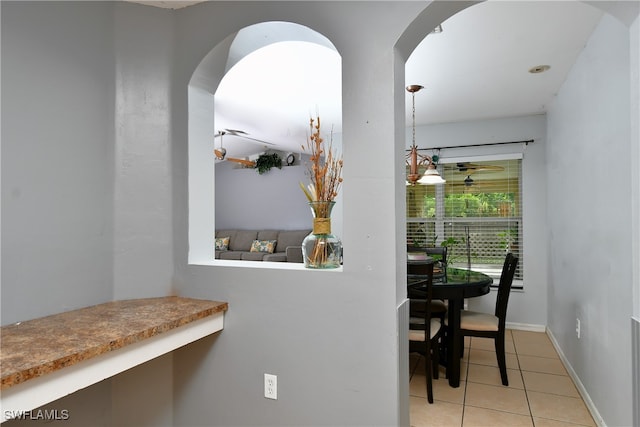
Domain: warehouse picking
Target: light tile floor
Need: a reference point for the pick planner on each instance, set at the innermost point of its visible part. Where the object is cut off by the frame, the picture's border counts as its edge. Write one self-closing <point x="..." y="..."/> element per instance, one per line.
<point x="540" y="392"/>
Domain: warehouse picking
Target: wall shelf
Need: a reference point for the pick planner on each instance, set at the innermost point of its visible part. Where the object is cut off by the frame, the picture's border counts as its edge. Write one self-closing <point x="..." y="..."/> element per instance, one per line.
<point x="48" y="358"/>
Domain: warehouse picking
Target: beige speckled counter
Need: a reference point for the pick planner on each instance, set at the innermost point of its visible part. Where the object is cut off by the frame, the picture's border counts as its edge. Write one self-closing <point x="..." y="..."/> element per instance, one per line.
<point x="34" y="350"/>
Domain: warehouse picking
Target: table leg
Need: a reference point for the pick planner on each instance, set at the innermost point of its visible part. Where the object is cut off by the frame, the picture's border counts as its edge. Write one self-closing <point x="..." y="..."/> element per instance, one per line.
<point x="453" y="344"/>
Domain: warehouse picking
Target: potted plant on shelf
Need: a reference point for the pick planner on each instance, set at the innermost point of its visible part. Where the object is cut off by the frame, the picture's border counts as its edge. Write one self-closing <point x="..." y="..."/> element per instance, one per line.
<point x="265" y="162"/>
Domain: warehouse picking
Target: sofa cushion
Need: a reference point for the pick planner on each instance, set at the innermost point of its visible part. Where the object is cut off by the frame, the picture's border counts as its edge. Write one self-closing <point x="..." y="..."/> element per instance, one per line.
<point x="242" y="240"/>
<point x="294" y="254"/>
<point x="290" y="238"/>
<point x="222" y="243"/>
<point x="235" y="255"/>
<point x="226" y="233"/>
<point x="268" y="235"/>
<point x="276" y="257"/>
<point x="253" y="256"/>
<point x="267" y="246"/>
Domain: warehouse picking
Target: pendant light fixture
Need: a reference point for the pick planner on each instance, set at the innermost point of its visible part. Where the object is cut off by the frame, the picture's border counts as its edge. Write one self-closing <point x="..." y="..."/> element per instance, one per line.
<point x="414" y="159"/>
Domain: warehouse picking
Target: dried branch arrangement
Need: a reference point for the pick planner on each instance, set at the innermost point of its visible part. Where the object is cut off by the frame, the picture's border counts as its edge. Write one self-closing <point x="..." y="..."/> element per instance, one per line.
<point x="325" y="169"/>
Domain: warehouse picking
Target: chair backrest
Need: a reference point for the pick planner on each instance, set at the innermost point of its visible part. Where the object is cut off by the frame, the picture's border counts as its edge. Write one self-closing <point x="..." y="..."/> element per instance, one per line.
<point x="440" y="250"/>
<point x="504" y="288"/>
<point x="420" y="300"/>
<point x="424" y="268"/>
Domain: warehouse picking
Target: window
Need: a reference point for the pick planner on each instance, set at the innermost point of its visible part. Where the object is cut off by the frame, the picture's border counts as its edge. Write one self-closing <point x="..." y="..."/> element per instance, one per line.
<point x="477" y="213"/>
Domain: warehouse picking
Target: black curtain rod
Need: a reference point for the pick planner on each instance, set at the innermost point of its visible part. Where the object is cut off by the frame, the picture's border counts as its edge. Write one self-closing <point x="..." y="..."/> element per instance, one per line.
<point x="478" y="145"/>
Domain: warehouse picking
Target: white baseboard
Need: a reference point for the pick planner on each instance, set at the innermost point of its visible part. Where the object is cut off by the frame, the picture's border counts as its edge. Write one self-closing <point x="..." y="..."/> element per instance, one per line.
<point x="581" y="389"/>
<point x="403" y="366"/>
<point x="526" y="327"/>
<point x="635" y="363"/>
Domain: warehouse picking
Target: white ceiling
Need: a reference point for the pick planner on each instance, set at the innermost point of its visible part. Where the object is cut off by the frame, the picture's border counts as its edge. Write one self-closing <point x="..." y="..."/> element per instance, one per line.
<point x="476" y="68"/>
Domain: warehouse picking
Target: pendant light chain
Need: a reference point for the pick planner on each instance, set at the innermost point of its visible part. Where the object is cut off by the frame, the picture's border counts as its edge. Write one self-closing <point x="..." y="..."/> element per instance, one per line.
<point x="413" y="97"/>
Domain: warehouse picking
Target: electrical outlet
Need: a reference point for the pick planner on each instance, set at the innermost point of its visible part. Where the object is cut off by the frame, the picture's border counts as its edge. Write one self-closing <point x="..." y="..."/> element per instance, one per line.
<point x="271" y="386"/>
<point x="578" y="328"/>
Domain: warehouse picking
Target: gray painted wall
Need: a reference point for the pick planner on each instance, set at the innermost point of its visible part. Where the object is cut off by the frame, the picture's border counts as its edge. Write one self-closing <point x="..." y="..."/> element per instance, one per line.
<point x="329" y="336"/>
<point x="86" y="182"/>
<point x="525" y="307"/>
<point x="67" y="80"/>
<point x="273" y="200"/>
<point x="143" y="205"/>
<point x="634" y="95"/>
<point x="58" y="108"/>
<point x="590" y="264"/>
<point x="57" y="157"/>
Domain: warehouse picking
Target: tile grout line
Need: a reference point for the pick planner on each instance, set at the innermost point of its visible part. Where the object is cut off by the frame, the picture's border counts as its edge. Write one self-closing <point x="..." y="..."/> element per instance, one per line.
<point x="521" y="376"/>
<point x="524" y="385"/>
<point x="466" y="381"/>
<point x="516" y="353"/>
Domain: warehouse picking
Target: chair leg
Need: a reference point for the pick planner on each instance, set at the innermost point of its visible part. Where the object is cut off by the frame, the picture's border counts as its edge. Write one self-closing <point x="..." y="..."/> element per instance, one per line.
<point x="444" y="350"/>
<point x="435" y="362"/>
<point x="500" y="354"/>
<point x="428" y="368"/>
<point x="429" y="385"/>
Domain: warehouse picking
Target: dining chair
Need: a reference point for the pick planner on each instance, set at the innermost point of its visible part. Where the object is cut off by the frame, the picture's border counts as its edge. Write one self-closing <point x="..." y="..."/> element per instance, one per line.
<point x="476" y="324"/>
<point x="438" y="307"/>
<point x="425" y="331"/>
<point x="439" y="253"/>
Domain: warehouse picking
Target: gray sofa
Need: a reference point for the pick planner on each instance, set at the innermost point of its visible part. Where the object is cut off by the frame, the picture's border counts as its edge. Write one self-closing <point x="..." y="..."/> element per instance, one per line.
<point x="288" y="246"/>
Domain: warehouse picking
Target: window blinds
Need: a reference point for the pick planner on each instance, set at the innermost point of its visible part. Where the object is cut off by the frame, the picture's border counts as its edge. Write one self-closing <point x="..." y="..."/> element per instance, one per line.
<point x="477" y="213"/>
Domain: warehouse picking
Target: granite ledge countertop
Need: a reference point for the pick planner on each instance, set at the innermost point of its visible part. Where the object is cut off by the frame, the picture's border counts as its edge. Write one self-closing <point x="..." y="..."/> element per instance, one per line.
<point x="37" y="347"/>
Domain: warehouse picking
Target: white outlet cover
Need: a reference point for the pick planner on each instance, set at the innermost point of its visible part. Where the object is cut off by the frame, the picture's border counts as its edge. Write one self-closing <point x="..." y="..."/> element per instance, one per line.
<point x="271" y="386"/>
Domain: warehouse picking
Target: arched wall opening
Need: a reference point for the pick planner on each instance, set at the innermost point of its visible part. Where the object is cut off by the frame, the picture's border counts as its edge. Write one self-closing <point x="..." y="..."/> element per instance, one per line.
<point x="257" y="192"/>
<point x="625" y="13"/>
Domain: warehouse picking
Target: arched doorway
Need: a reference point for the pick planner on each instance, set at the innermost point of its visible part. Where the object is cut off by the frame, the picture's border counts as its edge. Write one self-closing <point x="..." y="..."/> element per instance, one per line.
<point x="579" y="5"/>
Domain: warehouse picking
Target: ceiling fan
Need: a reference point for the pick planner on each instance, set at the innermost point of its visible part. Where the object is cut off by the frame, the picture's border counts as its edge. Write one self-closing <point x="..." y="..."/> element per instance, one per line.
<point x="221" y="154"/>
<point x="471" y="185"/>
<point x="241" y="134"/>
<point x="470" y="168"/>
<point x="480" y="185"/>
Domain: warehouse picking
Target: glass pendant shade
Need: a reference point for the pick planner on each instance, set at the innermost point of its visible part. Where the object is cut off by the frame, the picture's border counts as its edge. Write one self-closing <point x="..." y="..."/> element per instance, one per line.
<point x="431" y="177"/>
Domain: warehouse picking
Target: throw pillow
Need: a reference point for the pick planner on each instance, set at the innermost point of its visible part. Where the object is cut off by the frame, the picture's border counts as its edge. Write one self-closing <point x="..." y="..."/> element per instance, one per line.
<point x="263" y="246"/>
<point x="222" y="243"/>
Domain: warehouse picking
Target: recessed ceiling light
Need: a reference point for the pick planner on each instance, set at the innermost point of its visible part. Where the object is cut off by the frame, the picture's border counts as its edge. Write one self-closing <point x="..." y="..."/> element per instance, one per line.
<point x="539" y="69"/>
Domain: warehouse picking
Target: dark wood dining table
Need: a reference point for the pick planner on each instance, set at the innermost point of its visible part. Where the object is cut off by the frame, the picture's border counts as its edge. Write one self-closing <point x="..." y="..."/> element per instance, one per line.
<point x="456" y="285"/>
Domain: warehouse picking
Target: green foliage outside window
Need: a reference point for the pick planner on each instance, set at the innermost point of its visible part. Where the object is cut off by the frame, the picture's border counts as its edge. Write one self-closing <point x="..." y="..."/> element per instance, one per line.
<point x="467" y="205"/>
<point x="429" y="207"/>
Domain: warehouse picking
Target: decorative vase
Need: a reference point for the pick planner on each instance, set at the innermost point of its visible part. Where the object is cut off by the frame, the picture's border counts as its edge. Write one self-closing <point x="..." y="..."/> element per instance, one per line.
<point x="321" y="249"/>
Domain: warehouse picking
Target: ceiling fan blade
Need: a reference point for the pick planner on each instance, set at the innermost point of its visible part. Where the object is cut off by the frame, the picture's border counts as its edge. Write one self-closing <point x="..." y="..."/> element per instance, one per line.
<point x="489" y="168"/>
<point x="469" y="168"/>
<point x="244" y="162"/>
<point x="243" y="134"/>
